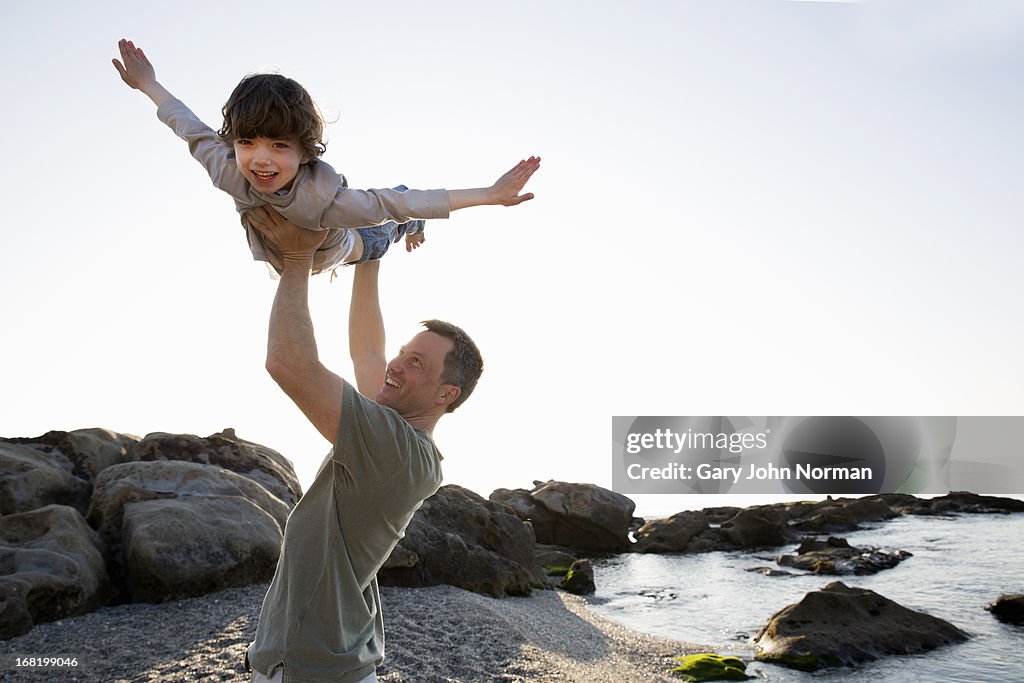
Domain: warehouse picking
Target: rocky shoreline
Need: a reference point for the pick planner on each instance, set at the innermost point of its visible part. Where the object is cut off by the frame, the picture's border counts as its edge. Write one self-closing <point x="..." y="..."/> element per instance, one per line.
<point x="108" y="540"/>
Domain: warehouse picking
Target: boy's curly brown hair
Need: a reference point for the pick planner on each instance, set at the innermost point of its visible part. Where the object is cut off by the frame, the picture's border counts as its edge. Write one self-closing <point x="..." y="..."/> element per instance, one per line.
<point x="273" y="106"/>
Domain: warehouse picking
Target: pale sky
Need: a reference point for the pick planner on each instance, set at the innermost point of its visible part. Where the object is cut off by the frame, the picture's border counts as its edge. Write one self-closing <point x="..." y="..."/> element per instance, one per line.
<point x="744" y="208"/>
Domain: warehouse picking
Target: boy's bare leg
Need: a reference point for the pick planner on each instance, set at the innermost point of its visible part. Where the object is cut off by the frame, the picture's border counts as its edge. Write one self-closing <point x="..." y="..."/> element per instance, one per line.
<point x="414" y="240"/>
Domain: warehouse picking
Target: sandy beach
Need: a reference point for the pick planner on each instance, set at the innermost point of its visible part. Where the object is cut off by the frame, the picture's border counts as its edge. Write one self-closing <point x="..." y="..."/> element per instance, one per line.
<point x="439" y="634"/>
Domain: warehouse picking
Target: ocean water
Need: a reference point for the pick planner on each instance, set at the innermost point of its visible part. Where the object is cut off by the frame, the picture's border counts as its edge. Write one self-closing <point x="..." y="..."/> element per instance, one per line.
<point x="959" y="565"/>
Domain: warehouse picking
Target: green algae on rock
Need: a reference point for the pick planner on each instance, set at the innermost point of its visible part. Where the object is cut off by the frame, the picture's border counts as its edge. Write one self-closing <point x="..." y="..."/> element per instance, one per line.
<point x="708" y="666"/>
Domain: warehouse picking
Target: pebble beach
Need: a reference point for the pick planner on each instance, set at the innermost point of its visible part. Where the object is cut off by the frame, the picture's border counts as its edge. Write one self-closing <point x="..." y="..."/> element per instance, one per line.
<point x="440" y="634"/>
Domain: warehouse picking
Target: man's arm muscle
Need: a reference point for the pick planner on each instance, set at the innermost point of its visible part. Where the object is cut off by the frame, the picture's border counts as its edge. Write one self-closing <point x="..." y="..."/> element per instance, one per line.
<point x="366" y="339"/>
<point x="292" y="357"/>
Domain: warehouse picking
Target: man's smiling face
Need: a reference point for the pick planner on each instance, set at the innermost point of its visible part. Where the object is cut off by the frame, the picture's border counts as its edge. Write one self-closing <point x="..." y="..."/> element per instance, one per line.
<point x="412" y="385"/>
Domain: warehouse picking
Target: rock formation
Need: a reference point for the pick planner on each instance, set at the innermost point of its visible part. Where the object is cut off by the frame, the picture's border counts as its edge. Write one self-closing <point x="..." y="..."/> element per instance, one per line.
<point x="1008" y="608"/>
<point x="837" y="557"/>
<point x="51" y="565"/>
<point x="462" y="539"/>
<point x="583" y="517"/>
<point x="92" y="516"/>
<point x="757" y="527"/>
<point x="680" y="533"/>
<point x="841" y="625"/>
<point x="580" y="578"/>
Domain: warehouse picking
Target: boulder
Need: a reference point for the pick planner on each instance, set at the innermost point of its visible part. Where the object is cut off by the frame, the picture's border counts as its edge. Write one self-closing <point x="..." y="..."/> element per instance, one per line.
<point x="844" y="514"/>
<point x="717" y="515"/>
<point x="120" y="486"/>
<point x="588" y="518"/>
<point x="840" y="625"/>
<point x="837" y="557"/>
<point x="961" y="501"/>
<point x="31" y="478"/>
<point x="528" y="509"/>
<point x="51" y="566"/>
<point x="757" y="527"/>
<point x="582" y="517"/>
<point x="461" y="539"/>
<point x="580" y="578"/>
<point x="904" y="503"/>
<point x="89" y="451"/>
<point x="1008" y="608"/>
<point x="263" y="465"/>
<point x="176" y="548"/>
<point x="552" y="557"/>
<point x="672" y="535"/>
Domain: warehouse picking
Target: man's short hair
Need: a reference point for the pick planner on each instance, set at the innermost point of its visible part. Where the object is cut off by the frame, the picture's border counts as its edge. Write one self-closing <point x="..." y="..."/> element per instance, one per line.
<point x="273" y="106"/>
<point x="463" y="364"/>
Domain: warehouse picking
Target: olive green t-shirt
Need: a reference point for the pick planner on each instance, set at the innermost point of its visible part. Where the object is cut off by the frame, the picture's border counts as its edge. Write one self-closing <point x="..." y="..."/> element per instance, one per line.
<point x="321" y="618"/>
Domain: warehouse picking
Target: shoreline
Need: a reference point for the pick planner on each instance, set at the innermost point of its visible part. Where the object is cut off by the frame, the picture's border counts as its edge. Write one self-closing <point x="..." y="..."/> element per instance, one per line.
<point x="440" y="633"/>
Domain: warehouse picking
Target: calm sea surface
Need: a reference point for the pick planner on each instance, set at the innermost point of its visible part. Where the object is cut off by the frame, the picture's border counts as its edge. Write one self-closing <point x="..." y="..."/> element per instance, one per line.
<point x="960" y="564"/>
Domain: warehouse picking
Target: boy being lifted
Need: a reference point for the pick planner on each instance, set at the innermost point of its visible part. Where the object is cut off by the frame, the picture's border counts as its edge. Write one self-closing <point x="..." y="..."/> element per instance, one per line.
<point x="267" y="153"/>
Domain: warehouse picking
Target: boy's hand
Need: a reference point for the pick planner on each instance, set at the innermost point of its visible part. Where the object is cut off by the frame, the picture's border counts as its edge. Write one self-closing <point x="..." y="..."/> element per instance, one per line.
<point x="506" y="189"/>
<point x="138" y="73"/>
<point x="135" y="70"/>
<point x="414" y="241"/>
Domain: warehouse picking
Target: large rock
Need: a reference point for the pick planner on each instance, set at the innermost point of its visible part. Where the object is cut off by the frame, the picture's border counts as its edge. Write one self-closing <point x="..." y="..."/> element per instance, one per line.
<point x="263" y="465"/>
<point x="192" y="545"/>
<point x="89" y="451"/>
<point x="677" y="534"/>
<point x="580" y="578"/>
<point x="718" y="515"/>
<point x="961" y="501"/>
<point x="1008" y="608"/>
<point x="840" y="625"/>
<point x="461" y="539"/>
<point x="835" y="556"/>
<point x="528" y="509"/>
<point x="583" y="517"/>
<point x="31" y="479"/>
<point x="844" y="515"/>
<point x="51" y="566"/>
<point x="120" y="486"/>
<point x="757" y="527"/>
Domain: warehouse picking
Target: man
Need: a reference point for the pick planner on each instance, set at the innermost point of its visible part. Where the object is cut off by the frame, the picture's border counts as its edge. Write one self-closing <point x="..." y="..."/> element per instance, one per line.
<point x="321" y="618"/>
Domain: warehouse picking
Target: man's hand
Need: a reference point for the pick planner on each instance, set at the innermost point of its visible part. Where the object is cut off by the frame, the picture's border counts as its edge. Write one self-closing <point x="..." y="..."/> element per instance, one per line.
<point x="135" y="70"/>
<point x="506" y="189"/>
<point x="294" y="243"/>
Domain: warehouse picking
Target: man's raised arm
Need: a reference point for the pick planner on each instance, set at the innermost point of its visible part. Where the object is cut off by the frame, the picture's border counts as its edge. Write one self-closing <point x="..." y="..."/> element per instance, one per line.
<point x="292" y="357"/>
<point x="366" y="330"/>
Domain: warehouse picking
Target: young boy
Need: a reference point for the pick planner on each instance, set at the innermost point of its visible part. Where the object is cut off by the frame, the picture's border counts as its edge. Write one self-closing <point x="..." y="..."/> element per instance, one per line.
<point x="267" y="153"/>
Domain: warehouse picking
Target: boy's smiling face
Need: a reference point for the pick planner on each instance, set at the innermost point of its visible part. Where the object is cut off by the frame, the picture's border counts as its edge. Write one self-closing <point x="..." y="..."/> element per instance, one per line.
<point x="269" y="164"/>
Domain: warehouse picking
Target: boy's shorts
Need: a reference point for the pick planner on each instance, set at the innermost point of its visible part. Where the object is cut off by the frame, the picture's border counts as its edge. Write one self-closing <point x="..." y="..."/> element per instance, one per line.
<point x="378" y="238"/>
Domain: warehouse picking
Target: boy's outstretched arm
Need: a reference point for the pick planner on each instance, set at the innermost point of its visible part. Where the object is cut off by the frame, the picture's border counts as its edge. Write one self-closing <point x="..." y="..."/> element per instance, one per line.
<point x="504" y="191"/>
<point x="138" y="73"/>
